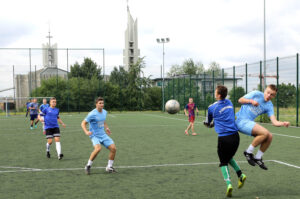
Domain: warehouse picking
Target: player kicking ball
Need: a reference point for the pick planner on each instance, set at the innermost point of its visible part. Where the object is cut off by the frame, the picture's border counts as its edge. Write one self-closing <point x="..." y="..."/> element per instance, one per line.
<point x="190" y="107"/>
<point x="51" y="119"/>
<point x="254" y="104"/>
<point x="221" y="116"/>
<point x="96" y="119"/>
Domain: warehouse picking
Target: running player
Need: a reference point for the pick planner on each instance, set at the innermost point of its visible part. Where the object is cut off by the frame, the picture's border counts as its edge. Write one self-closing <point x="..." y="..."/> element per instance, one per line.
<point x="42" y="107"/>
<point x="51" y="117"/>
<point x="27" y="107"/>
<point x="96" y="119"/>
<point x="254" y="104"/>
<point x="191" y="107"/>
<point x="221" y="115"/>
<point x="33" y="109"/>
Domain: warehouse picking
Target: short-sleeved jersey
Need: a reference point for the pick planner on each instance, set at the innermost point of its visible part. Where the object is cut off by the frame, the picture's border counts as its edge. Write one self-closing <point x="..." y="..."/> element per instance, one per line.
<point x="191" y="108"/>
<point x="223" y="115"/>
<point x="35" y="110"/>
<point x="250" y="112"/>
<point x="43" y="106"/>
<point x="50" y="117"/>
<point x="96" y="121"/>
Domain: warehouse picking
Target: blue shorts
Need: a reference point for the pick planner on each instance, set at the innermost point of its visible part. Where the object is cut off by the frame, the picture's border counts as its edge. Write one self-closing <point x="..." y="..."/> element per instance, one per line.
<point x="33" y="116"/>
<point x="245" y="126"/>
<point x="105" y="140"/>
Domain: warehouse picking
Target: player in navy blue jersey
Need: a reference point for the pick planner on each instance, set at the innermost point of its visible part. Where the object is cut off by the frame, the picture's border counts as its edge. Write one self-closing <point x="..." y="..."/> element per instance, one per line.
<point x="42" y="107"/>
<point x="27" y="107"/>
<point x="51" y="119"/>
<point x="33" y="109"/>
<point x="221" y="116"/>
<point x="96" y="119"/>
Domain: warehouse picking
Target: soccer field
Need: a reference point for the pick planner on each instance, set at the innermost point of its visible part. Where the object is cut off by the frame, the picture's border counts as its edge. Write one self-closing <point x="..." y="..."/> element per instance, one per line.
<point x="154" y="160"/>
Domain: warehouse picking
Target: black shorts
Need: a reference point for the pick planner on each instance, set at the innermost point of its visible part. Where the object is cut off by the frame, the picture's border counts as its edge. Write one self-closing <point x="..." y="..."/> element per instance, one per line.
<point x="33" y="117"/>
<point x="227" y="147"/>
<point x="52" y="132"/>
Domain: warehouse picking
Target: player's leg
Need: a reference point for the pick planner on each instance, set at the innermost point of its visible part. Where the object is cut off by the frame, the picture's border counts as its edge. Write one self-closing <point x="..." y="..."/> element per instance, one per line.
<point x="263" y="138"/>
<point x="56" y="135"/>
<point x="97" y="149"/>
<point x="188" y="128"/>
<point x="49" y="137"/>
<point x="31" y="121"/>
<point x="36" y="121"/>
<point x="110" y="145"/>
<point x="224" y="156"/>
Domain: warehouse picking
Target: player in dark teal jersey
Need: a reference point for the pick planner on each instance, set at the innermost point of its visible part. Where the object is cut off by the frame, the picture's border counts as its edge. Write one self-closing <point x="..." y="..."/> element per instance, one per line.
<point x="221" y="116"/>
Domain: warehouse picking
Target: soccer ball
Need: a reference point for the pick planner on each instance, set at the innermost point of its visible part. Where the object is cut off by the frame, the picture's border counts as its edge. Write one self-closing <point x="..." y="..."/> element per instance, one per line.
<point x="172" y="106"/>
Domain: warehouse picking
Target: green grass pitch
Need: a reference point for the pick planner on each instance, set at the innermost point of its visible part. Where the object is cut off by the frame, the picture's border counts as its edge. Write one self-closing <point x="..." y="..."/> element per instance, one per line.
<point x="154" y="160"/>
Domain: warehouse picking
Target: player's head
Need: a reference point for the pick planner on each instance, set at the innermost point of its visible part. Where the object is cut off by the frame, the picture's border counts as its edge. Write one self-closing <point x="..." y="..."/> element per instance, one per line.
<point x="52" y="102"/>
<point x="44" y="101"/>
<point x="99" y="103"/>
<point x="191" y="100"/>
<point x="221" y="92"/>
<point x="34" y="100"/>
<point x="270" y="92"/>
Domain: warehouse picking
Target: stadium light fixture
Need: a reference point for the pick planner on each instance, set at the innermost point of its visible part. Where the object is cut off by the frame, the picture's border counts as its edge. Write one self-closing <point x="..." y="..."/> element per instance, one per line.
<point x="163" y="41"/>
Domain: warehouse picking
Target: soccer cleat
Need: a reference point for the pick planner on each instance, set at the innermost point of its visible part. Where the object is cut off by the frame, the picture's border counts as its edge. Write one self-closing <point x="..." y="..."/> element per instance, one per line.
<point x="87" y="169"/>
<point x="48" y="154"/>
<point x="250" y="158"/>
<point x="186" y="132"/>
<point x="229" y="191"/>
<point x="60" y="156"/>
<point x="194" y="134"/>
<point x="31" y="128"/>
<point x="260" y="163"/>
<point x="35" y="126"/>
<point x="242" y="180"/>
<point x="110" y="170"/>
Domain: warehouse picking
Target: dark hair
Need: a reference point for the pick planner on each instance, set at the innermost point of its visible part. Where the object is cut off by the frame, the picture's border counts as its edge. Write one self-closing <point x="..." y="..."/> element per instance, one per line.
<point x="222" y="90"/>
<point x="99" y="99"/>
<point x="273" y="87"/>
<point x="52" y="98"/>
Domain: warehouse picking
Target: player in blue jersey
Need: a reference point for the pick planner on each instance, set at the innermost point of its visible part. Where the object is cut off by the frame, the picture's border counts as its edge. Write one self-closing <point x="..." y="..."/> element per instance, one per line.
<point x="221" y="116"/>
<point x="27" y="107"/>
<point x="33" y="109"/>
<point x="254" y="104"/>
<point x="96" y="119"/>
<point x="51" y="119"/>
<point x="42" y="107"/>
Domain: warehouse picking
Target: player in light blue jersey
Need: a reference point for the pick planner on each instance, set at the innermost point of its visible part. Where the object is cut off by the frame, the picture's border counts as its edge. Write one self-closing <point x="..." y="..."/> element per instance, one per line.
<point x="42" y="107"/>
<point x="254" y="104"/>
<point x="221" y="116"/>
<point x="96" y="119"/>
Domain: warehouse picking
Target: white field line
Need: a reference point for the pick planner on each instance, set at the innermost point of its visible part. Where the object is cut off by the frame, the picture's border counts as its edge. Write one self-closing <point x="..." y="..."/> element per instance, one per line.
<point x="22" y="169"/>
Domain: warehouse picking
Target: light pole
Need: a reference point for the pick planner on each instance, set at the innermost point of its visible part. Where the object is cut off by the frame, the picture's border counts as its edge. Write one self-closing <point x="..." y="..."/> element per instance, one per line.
<point x="264" y="76"/>
<point x="163" y="41"/>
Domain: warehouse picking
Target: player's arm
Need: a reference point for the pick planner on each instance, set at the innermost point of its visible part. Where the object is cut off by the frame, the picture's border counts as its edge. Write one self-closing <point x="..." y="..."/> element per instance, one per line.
<point x="61" y="122"/>
<point x="275" y="122"/>
<point x="243" y="100"/>
<point x="185" y="111"/>
<point x="83" y="126"/>
<point x="107" y="129"/>
<point x="209" y="118"/>
<point x="40" y="118"/>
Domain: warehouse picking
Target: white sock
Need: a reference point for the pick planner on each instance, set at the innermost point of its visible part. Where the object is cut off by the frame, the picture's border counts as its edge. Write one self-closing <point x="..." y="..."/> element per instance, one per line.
<point x="110" y="163"/>
<point x="250" y="149"/>
<point x="259" y="154"/>
<point x="43" y="126"/>
<point x="58" y="148"/>
<point x="90" y="162"/>
<point x="47" y="147"/>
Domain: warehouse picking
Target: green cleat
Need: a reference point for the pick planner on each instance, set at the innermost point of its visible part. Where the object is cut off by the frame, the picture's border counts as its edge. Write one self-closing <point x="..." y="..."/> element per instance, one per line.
<point x="242" y="180"/>
<point x="229" y="190"/>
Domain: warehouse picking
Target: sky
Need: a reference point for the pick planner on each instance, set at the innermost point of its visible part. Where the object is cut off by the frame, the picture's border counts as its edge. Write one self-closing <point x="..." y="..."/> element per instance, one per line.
<point x="229" y="32"/>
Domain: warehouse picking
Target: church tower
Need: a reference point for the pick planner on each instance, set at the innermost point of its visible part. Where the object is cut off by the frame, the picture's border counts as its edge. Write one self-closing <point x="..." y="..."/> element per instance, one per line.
<point x="131" y="52"/>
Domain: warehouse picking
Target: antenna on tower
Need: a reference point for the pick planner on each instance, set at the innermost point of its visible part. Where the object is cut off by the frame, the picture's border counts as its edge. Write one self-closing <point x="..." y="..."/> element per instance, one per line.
<point x="49" y="35"/>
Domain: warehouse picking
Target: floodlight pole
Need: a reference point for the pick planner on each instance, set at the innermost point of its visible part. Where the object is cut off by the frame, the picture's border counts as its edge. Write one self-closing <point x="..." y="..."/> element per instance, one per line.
<point x="163" y="41"/>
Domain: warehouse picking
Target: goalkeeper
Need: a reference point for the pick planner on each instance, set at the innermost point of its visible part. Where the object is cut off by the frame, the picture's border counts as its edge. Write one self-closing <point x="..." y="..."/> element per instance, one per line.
<point x="228" y="137"/>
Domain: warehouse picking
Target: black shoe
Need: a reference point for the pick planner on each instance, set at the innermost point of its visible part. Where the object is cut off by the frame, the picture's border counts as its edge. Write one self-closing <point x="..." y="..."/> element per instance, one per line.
<point x="48" y="154"/>
<point x="250" y="158"/>
<point x="60" y="156"/>
<point x="87" y="170"/>
<point x="260" y="163"/>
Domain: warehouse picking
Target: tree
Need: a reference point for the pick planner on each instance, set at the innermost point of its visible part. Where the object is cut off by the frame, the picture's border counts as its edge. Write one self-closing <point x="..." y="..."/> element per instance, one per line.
<point x="239" y="92"/>
<point x="286" y="95"/>
<point x="175" y="70"/>
<point x="119" y="77"/>
<point x="214" y="66"/>
<point x="87" y="70"/>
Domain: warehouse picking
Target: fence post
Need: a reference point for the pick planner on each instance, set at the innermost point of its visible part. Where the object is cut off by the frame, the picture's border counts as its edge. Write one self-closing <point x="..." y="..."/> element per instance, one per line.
<point x="234" y="89"/>
<point x="277" y="84"/>
<point x="204" y="90"/>
<point x="173" y="88"/>
<point x="297" y="92"/>
<point x="246" y="68"/>
<point x="213" y="82"/>
<point x="183" y="90"/>
<point x="260" y="82"/>
<point x="223" y="77"/>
